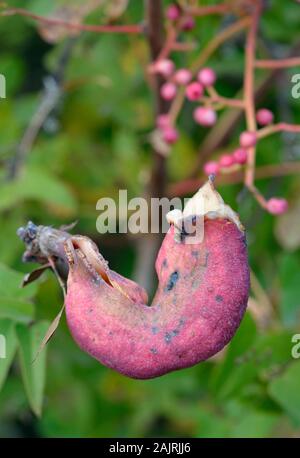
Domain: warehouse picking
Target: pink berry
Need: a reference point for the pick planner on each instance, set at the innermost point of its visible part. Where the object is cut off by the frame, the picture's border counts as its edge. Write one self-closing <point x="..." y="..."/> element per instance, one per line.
<point x="173" y="12"/>
<point x="194" y="91"/>
<point x="226" y="160"/>
<point x="188" y="23"/>
<point x="240" y="156"/>
<point x="207" y="76"/>
<point x="277" y="206"/>
<point x="164" y="67"/>
<point x="183" y="76"/>
<point x="264" y="117"/>
<point x="205" y="116"/>
<point x="163" y="121"/>
<point x="248" y="139"/>
<point x="170" y="135"/>
<point x="168" y="91"/>
<point x="211" y="168"/>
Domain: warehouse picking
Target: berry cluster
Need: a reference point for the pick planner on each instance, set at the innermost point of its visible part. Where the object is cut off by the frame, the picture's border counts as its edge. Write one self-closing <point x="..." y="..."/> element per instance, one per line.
<point x="230" y="162"/>
<point x="175" y="14"/>
<point x="194" y="90"/>
<point x="200" y="88"/>
<point x="238" y="157"/>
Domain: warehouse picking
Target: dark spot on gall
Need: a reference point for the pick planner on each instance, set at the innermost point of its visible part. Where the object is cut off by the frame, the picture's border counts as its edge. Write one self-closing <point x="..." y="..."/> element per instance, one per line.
<point x="154" y="351"/>
<point x="206" y="259"/>
<point x="165" y="263"/>
<point x="181" y="322"/>
<point x="219" y="298"/>
<point x="170" y="335"/>
<point x="172" y="280"/>
<point x="155" y="330"/>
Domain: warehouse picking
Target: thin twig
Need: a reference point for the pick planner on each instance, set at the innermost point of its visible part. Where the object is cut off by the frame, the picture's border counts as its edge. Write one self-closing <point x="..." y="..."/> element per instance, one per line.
<point x="217" y="137"/>
<point x="214" y="97"/>
<point x="50" y="97"/>
<point x="280" y="127"/>
<point x="209" y="10"/>
<point x="190" y="186"/>
<point x="278" y="63"/>
<point x="128" y="29"/>
<point x="206" y="53"/>
<point x="218" y="40"/>
<point x="59" y="279"/>
<point x="49" y="100"/>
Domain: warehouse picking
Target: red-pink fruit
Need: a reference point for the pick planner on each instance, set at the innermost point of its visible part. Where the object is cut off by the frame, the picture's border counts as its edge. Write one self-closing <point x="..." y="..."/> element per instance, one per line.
<point x="183" y="76"/>
<point x="277" y="206"/>
<point x="168" y="91"/>
<point x="264" y="117"/>
<point x="248" y="139"/>
<point x="200" y="301"/>
<point x="205" y="116"/>
<point x="163" y="121"/>
<point x="226" y="160"/>
<point x="194" y="91"/>
<point x="207" y="77"/>
<point x="211" y="168"/>
<point x="173" y="12"/>
<point x="240" y="156"/>
<point x="170" y="134"/>
<point x="164" y="67"/>
<point x="188" y="23"/>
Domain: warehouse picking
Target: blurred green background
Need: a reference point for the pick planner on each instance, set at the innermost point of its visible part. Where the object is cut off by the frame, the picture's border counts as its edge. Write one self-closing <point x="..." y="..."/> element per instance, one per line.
<point x="95" y="141"/>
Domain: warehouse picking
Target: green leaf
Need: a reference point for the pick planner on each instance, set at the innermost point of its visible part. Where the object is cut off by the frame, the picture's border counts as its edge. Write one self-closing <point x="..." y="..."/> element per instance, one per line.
<point x="285" y="391"/>
<point x="9" y="246"/>
<point x="35" y="183"/>
<point x="272" y="352"/>
<point x="14" y="302"/>
<point x="10" y="284"/>
<point x="16" y="309"/>
<point x="289" y="277"/>
<point x="33" y="370"/>
<point x="9" y="341"/>
<point x="237" y="368"/>
<point x="254" y="424"/>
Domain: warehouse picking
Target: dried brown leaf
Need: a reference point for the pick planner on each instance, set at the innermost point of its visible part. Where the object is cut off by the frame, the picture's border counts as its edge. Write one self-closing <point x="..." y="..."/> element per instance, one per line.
<point x="51" y="330"/>
<point x="34" y="275"/>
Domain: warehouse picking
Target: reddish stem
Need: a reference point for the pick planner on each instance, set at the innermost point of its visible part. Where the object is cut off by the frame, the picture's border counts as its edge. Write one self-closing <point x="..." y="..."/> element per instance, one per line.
<point x="249" y="91"/>
<point x="169" y="43"/>
<point x="280" y="63"/>
<point x="206" y="10"/>
<point x="128" y="29"/>
<point x="280" y="127"/>
<point x="210" y="48"/>
<point x="190" y="186"/>
<point x="258" y="196"/>
<point x="224" y="101"/>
